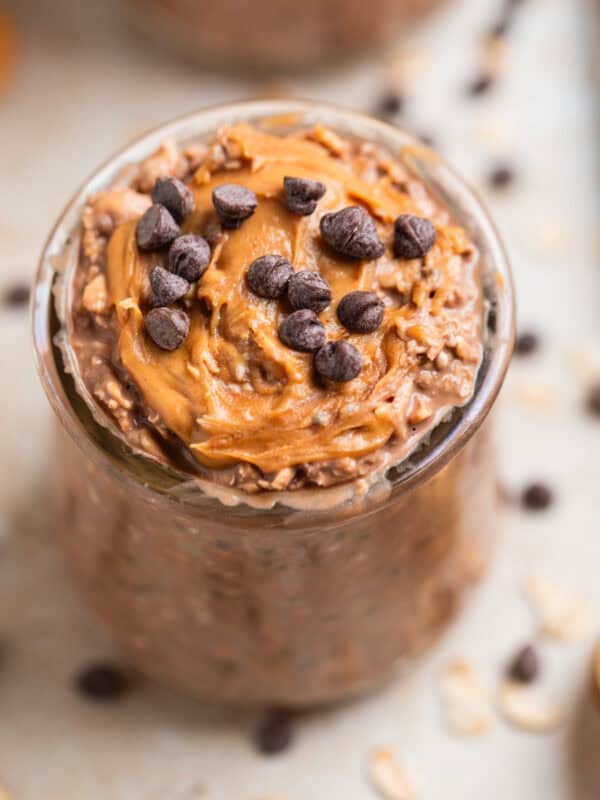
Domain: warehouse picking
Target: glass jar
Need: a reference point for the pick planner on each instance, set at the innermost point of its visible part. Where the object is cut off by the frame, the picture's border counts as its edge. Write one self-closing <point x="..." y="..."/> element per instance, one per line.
<point x="273" y="598"/>
<point x="275" y="33"/>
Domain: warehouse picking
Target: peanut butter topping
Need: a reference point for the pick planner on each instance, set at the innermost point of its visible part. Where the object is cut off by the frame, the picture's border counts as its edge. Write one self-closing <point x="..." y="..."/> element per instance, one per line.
<point x="233" y="392"/>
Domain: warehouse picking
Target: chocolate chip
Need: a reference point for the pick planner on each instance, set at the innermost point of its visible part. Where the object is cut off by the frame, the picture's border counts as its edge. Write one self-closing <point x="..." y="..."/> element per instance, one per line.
<point x="526" y="344"/>
<point x="361" y="312"/>
<point x="593" y="400"/>
<point x="338" y="361"/>
<point x="302" y="195"/>
<point x="16" y="295"/>
<point x="302" y="331"/>
<point x="390" y="104"/>
<point x="189" y="257"/>
<point x="156" y="229"/>
<point x="308" y="289"/>
<point x="269" y="276"/>
<point x="536" y="497"/>
<point x="427" y="139"/>
<point x="233" y="204"/>
<point x="167" y="288"/>
<point x="167" y="327"/>
<point x="480" y="85"/>
<point x="175" y="196"/>
<point x="413" y="236"/>
<point x="274" y="734"/>
<point x="525" y="666"/>
<point x="501" y="176"/>
<point x="103" y="682"/>
<point x="352" y="233"/>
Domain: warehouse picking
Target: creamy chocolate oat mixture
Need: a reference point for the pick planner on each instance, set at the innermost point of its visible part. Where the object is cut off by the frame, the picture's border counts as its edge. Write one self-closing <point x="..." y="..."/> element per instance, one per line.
<point x="275" y="311"/>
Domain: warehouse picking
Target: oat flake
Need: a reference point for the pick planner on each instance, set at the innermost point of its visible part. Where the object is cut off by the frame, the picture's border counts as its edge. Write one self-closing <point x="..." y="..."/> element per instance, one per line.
<point x="560" y="614"/>
<point x="529" y="708"/>
<point x="465" y="704"/>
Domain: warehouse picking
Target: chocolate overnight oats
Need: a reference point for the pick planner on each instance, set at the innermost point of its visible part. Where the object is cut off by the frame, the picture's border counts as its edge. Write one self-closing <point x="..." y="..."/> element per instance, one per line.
<point x="276" y="33"/>
<point x="278" y="329"/>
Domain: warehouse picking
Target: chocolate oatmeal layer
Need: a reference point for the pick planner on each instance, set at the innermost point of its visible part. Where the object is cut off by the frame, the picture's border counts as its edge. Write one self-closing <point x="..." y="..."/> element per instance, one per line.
<point x="284" y="311"/>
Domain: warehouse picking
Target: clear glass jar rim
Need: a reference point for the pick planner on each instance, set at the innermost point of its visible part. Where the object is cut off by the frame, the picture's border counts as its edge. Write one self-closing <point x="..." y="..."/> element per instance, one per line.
<point x="441" y="179"/>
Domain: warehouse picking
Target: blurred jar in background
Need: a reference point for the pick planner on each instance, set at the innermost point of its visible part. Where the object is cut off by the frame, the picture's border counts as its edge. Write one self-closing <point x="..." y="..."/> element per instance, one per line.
<point x="275" y="33"/>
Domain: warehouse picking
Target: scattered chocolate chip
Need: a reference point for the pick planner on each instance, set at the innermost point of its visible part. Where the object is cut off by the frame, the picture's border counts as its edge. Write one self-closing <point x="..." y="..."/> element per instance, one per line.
<point x="167" y="288"/>
<point x="302" y="195"/>
<point x="480" y="85"/>
<point x="427" y="139"/>
<point x="536" y="497"/>
<point x="308" y="289"/>
<point x="274" y="734"/>
<point x="593" y="400"/>
<point x="413" y="236"/>
<point x="233" y="204"/>
<point x="269" y="276"/>
<point x="526" y="344"/>
<point x="189" y="257"/>
<point x="302" y="331"/>
<point x="175" y="196"/>
<point x="525" y="666"/>
<point x="103" y="682"/>
<point x="501" y="176"/>
<point x="352" y="233"/>
<point x="167" y="327"/>
<point x="338" y="361"/>
<point x="390" y="104"/>
<point x="156" y="229"/>
<point x="361" y="312"/>
<point x="16" y="296"/>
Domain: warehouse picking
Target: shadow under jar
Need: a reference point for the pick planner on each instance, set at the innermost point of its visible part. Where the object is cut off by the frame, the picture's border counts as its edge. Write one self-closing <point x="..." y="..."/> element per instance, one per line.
<point x="295" y="598"/>
<point x="286" y="34"/>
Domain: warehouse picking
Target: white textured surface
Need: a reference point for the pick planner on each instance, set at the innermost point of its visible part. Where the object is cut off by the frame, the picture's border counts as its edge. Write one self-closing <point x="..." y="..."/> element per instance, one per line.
<point x="83" y="89"/>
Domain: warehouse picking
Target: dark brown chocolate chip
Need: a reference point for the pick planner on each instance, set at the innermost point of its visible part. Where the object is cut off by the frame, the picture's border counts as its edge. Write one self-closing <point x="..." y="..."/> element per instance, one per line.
<point x="390" y="104"/>
<point x="167" y="327"/>
<point x="361" y="312"/>
<point x="526" y="344"/>
<point x="189" y="257"/>
<point x="352" y="233"/>
<point x="480" y="85"/>
<point x="269" y="276"/>
<point x="167" y="288"/>
<point x="275" y="732"/>
<point x="16" y="296"/>
<point x="302" y="331"/>
<point x="525" y="666"/>
<point x="175" y="196"/>
<point x="156" y="229"/>
<point x="103" y="682"/>
<point x="338" y="361"/>
<point x="592" y="402"/>
<point x="308" y="289"/>
<point x="233" y="204"/>
<point x="501" y="176"/>
<point x="413" y="236"/>
<point x="536" y="497"/>
<point x="302" y="195"/>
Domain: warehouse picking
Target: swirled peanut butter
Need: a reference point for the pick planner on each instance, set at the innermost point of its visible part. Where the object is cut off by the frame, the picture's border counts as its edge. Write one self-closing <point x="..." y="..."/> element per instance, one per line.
<point x="245" y="408"/>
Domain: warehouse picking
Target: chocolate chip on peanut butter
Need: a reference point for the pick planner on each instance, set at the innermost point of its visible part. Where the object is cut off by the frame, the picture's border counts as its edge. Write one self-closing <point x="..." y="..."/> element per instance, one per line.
<point x="352" y="233"/>
<point x="307" y="289"/>
<point x="302" y="195"/>
<point x="167" y="288"/>
<point x="233" y="204"/>
<point x="361" y="312"/>
<point x="269" y="276"/>
<point x="189" y="257"/>
<point x="338" y="361"/>
<point x="302" y="331"/>
<point x="156" y="228"/>
<point x="167" y="327"/>
<point x="413" y="236"/>
<point x="175" y="196"/>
